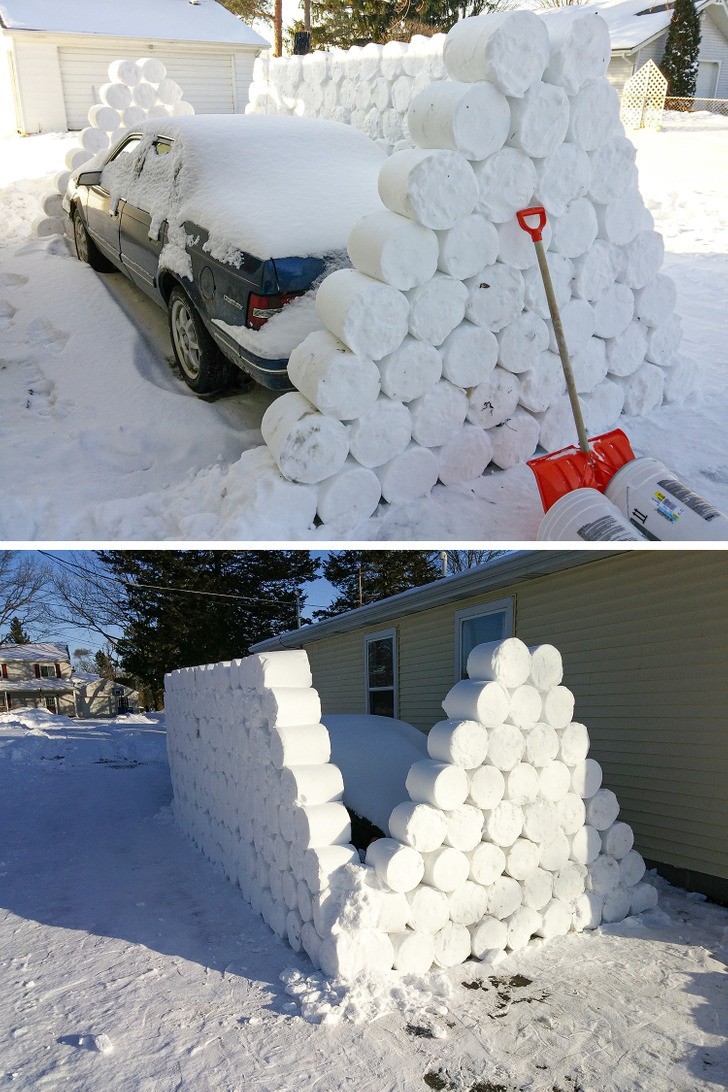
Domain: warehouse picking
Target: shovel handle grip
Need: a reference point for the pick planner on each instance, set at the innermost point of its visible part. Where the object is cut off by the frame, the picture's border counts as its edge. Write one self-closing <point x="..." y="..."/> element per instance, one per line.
<point x="534" y="230"/>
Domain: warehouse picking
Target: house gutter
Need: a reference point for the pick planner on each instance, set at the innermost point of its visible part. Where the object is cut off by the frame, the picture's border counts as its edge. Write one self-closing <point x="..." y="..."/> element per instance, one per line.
<point x="518" y="566"/>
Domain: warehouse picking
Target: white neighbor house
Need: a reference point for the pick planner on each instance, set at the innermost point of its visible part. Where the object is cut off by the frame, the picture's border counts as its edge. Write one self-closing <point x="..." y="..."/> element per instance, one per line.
<point x="40" y="676"/>
<point x="54" y="55"/>
<point x="638" y="29"/>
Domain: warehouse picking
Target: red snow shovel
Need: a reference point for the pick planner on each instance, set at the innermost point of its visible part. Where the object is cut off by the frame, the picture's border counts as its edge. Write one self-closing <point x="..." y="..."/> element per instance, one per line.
<point x="594" y="462"/>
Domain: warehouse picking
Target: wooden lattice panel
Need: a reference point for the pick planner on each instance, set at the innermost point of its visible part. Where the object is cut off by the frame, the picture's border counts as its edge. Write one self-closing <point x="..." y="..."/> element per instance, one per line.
<point x="643" y="98"/>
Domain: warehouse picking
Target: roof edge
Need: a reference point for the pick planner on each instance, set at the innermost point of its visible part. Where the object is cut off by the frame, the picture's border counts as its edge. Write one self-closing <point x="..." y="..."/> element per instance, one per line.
<point x="520" y="565"/>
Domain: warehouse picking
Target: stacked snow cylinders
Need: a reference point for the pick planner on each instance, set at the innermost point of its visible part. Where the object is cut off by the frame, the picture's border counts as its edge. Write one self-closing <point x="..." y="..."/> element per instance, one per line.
<point x="517" y="835"/>
<point x="135" y="90"/>
<point x="369" y="87"/>
<point x="445" y="297"/>
<point x="254" y="789"/>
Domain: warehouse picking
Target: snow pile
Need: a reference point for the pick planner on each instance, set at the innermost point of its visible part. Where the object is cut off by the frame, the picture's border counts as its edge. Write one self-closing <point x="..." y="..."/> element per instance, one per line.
<point x="33" y="720"/>
<point x="136" y="90"/>
<point x="507" y="833"/>
<point x="368" y="87"/>
<point x="439" y="356"/>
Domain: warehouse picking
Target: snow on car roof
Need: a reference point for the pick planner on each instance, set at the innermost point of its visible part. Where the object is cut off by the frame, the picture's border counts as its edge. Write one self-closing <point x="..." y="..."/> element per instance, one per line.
<point x="178" y="20"/>
<point x="271" y="186"/>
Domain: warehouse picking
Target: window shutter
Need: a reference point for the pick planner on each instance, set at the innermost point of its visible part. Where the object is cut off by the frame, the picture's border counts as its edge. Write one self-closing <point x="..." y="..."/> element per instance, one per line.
<point x="5" y="671"/>
<point x="58" y="671"/>
<point x="37" y="670"/>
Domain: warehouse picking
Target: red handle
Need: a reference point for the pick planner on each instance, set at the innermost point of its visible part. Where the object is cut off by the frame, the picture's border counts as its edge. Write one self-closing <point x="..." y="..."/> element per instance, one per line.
<point x="536" y="230"/>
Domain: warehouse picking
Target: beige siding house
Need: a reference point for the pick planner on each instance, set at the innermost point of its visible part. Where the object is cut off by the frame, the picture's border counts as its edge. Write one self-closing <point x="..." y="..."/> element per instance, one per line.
<point x="36" y="676"/>
<point x="54" y="56"/>
<point x="644" y="639"/>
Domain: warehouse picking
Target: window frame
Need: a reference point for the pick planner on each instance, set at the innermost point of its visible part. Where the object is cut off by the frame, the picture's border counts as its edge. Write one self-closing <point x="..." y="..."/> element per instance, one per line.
<point x="381" y="635"/>
<point x="506" y="606"/>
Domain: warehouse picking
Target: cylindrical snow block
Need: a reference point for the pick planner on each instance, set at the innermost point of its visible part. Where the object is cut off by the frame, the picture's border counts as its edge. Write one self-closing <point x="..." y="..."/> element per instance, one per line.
<point x="654" y="499"/>
<point x="411" y="370"/>
<point x="594" y="114"/>
<point x="438" y="415"/>
<point x="521" y="343"/>
<point x="618" y="840"/>
<point x="429" y="909"/>
<point x="465" y="456"/>
<point x="123" y="71"/>
<point x="556" y="919"/>
<point x="506" y="181"/>
<point x="467" y="903"/>
<point x="586" y="777"/>
<point x="413" y="952"/>
<point x="580" y="47"/>
<point x="94" y="140"/>
<point x="558" y="707"/>
<point x="461" y="742"/>
<point x="547" y="666"/>
<point x="61" y="179"/>
<point x="602" y="406"/>
<point x="553" y="853"/>
<point x="469" y="118"/>
<point x="485" y="702"/>
<point x="554" y="781"/>
<point x="631" y="868"/>
<point x="587" y="910"/>
<point x="538" y="889"/>
<point x="663" y="341"/>
<point x="574" y="744"/>
<point x="468" y="355"/>
<point x="590" y="365"/>
<point x="446" y="868"/>
<point x="438" y="783"/>
<point x="561" y="269"/>
<point x="321" y="825"/>
<point x="570" y="882"/>
<point x="572" y="813"/>
<point x="525" y="706"/>
<point x="596" y="270"/>
<point x="487" y="787"/>
<point x="144" y="95"/>
<point x="515" y="440"/>
<point x="561" y="177"/>
<point x="602" y="809"/>
<point x="506" y="745"/>
<point x="465" y="248"/>
<point x="489" y="935"/>
<point x="393" y="249"/>
<point x="539" y="120"/>
<point x="291" y="705"/>
<point x="408" y="476"/>
<point x="509" y="49"/>
<point x="621" y="221"/>
<point x="168" y="91"/>
<point x="641" y="259"/>
<point x="495" y="296"/>
<point x="284" y="668"/>
<point x="418" y="825"/>
<point x="464" y="827"/>
<point x="321" y="865"/>
<point x="577" y="321"/>
<point x="348" y="955"/>
<point x="604" y="874"/>
<point x="506" y="661"/>
<point x="522" y="858"/>
<point x="436" y="308"/>
<point x="133" y="116"/>
<point x="613" y="169"/>
<point x="540" y="820"/>
<point x="116" y="95"/>
<point x="381" y="434"/>
<point x="643" y="896"/>
<point x="616" y="905"/>
<point x="504" y="823"/>
<point x="104" y="117"/>
<point x="299" y="745"/>
<point x="486" y="862"/>
<point x="398" y="866"/>
<point x="151" y="69"/>
<point x="542" y="385"/>
<point x="588" y="515"/>
<point x="515" y="246"/>
<point x="349" y="496"/>
<point x="340" y="383"/>
<point x="306" y="445"/>
<point x="613" y="311"/>
<point x="434" y="187"/>
<point x="522" y="924"/>
<point x="505" y="895"/>
<point x="368" y="316"/>
<point x="586" y="845"/>
<point x="521" y="784"/>
<point x="452" y="945"/>
<point x="305" y="785"/>
<point x="656" y="301"/>
<point x="52" y="205"/>
<point x="575" y="231"/>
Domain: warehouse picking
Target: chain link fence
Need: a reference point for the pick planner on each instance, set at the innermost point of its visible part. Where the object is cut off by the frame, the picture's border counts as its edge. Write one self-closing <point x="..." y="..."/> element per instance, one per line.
<point x="713" y="106"/>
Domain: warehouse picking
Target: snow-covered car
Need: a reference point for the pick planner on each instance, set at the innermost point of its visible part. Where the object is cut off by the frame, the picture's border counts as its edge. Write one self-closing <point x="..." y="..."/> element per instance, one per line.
<point x="229" y="222"/>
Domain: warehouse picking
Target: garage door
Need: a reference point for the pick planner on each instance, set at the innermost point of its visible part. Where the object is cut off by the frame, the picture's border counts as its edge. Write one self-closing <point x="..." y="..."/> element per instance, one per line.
<point x="205" y="78"/>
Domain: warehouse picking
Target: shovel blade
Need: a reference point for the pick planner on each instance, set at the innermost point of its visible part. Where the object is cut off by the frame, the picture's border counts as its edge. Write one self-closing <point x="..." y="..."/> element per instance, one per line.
<point x="571" y="468"/>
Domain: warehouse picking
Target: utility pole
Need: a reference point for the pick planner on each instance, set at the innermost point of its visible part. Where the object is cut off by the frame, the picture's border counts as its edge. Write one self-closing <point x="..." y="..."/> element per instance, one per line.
<point x="361" y="593"/>
<point x="443" y="559"/>
<point x="278" y="28"/>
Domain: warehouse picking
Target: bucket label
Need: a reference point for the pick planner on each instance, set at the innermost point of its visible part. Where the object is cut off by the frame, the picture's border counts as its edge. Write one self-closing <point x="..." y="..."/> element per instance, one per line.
<point x="605" y="529"/>
<point x="689" y="499"/>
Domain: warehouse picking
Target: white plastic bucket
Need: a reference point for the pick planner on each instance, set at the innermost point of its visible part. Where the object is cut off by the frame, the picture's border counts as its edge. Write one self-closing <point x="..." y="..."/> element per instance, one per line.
<point x="586" y="514"/>
<point x="661" y="507"/>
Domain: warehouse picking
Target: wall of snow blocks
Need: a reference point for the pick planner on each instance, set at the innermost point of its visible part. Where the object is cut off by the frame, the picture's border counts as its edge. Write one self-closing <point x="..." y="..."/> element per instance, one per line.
<point x="507" y="834"/>
<point x="441" y="332"/>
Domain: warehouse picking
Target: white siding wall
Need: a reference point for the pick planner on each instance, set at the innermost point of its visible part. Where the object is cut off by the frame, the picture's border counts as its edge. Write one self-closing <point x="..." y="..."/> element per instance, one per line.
<point x="619" y="71"/>
<point x="714" y="47"/>
<point x="39" y="85"/>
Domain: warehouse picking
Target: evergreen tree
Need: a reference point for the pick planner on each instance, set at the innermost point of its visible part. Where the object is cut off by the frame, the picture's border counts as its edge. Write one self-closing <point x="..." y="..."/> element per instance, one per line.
<point x="346" y="23"/>
<point x="16" y="634"/>
<point x="680" y="59"/>
<point x="248" y="595"/>
<point x="366" y="576"/>
<point x="104" y="666"/>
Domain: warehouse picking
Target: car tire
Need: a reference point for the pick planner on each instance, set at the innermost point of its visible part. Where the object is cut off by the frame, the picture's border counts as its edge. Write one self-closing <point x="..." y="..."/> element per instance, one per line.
<point x="86" y="249"/>
<point x="202" y="365"/>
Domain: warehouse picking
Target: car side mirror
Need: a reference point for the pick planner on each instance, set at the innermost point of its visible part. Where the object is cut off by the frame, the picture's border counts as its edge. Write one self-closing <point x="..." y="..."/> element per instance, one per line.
<point x="89" y="178"/>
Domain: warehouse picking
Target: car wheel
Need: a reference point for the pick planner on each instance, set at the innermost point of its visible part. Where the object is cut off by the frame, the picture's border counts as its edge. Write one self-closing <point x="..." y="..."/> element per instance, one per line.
<point x="86" y="249"/>
<point x="203" y="368"/>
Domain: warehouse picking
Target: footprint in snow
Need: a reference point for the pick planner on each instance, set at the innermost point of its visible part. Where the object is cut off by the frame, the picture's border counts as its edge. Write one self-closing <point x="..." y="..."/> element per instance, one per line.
<point x="7" y="313"/>
<point x="12" y="280"/>
<point x="44" y="334"/>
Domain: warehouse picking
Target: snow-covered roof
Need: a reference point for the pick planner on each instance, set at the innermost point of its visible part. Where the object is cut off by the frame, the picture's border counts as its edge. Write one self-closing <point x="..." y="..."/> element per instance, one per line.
<point x="37" y="653"/>
<point x="32" y="686"/>
<point x="502" y="572"/>
<point x="176" y="20"/>
<point x="632" y="22"/>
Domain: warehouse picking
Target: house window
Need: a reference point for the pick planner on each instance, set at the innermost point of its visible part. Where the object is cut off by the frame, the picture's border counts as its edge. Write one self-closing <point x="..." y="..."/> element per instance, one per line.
<point x="45" y="671"/>
<point x="51" y="705"/>
<point x="476" y="625"/>
<point x="380" y="651"/>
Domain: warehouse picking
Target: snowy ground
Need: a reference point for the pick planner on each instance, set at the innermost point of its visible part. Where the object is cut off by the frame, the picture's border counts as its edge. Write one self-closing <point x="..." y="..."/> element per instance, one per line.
<point x="128" y="963"/>
<point x="102" y="441"/>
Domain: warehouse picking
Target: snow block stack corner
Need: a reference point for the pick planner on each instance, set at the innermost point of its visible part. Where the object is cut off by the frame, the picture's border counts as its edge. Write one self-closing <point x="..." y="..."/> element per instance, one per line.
<point x="438" y="356"/>
<point x="507" y="834"/>
<point x="135" y="91"/>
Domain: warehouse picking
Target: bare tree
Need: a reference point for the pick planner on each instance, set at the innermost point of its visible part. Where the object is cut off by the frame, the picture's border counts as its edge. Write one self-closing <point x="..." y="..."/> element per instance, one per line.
<point x="85" y="595"/>
<point x="24" y="590"/>
<point x="457" y="561"/>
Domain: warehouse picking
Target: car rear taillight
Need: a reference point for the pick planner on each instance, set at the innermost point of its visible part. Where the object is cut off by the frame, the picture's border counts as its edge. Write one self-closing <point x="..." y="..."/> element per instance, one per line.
<point x="261" y="308"/>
